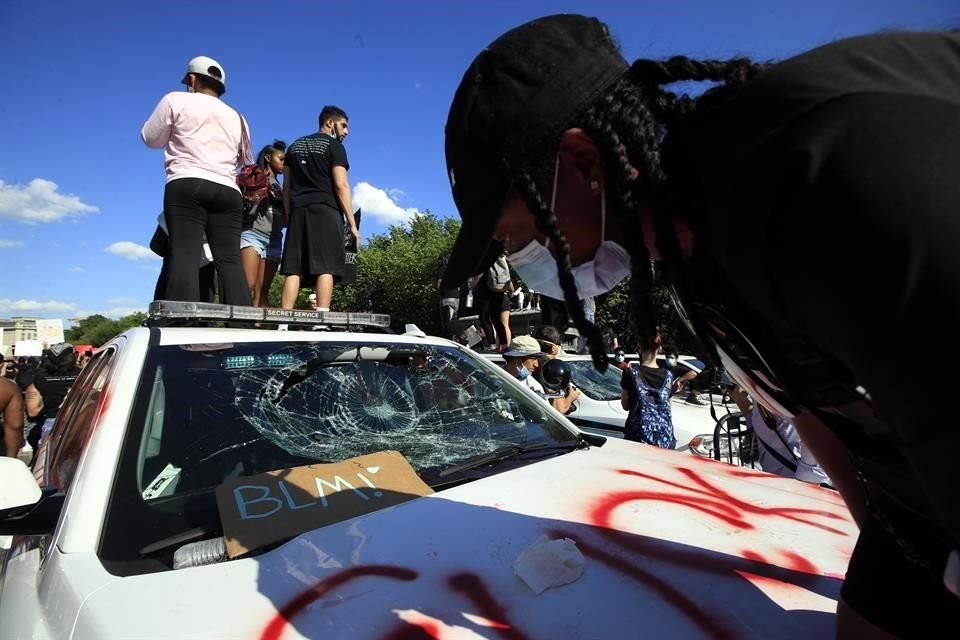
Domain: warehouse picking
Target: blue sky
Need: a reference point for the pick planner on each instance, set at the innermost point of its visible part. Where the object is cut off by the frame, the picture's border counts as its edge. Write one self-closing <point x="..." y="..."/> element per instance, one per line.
<point x="79" y="192"/>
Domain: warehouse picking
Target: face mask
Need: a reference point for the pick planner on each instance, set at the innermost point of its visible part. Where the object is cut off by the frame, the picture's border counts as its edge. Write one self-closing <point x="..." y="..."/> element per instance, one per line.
<point x="523" y="372"/>
<point x="619" y="357"/>
<point x="538" y="268"/>
<point x="671" y="362"/>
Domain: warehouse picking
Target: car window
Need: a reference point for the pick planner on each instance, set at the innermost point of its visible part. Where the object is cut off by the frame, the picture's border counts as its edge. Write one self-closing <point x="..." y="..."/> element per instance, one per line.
<point x="596" y="385"/>
<point x="77" y="419"/>
<point x="211" y="413"/>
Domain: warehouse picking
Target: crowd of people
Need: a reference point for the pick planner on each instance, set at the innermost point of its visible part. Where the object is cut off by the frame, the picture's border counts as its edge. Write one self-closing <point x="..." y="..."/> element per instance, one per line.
<point x="31" y="392"/>
<point x="225" y="211"/>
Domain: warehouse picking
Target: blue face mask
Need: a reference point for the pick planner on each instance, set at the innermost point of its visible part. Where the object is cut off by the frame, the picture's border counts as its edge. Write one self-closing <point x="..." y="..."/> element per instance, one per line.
<point x="619" y="357"/>
<point x="523" y="372"/>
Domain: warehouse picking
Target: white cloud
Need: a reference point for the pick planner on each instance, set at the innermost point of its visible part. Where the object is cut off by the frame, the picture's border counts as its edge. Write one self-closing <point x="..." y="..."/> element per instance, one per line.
<point x="7" y="305"/>
<point x="39" y="201"/>
<point x="381" y="205"/>
<point x="6" y="244"/>
<point x="76" y="269"/>
<point x="131" y="251"/>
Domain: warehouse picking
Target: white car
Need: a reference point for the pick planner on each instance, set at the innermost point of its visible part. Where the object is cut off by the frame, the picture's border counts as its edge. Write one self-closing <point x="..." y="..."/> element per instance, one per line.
<point x="119" y="533"/>
<point x="598" y="409"/>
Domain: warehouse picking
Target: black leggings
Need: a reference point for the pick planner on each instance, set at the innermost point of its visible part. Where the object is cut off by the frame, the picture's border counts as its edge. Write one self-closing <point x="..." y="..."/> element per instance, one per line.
<point x="207" y="281"/>
<point x="491" y="305"/>
<point x="193" y="206"/>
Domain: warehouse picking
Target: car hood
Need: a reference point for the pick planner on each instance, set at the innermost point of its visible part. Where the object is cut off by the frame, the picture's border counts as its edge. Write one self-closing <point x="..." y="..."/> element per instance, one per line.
<point x="673" y="545"/>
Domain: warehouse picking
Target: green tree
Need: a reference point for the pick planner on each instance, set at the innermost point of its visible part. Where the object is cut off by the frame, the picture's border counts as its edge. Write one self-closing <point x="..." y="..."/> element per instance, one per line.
<point x="396" y="273"/>
<point x="97" y="329"/>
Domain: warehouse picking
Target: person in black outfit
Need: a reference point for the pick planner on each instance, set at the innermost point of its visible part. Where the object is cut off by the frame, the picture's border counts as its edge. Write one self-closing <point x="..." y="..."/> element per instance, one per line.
<point x="317" y="196"/>
<point x="804" y="218"/>
<point x="49" y="387"/>
<point x="449" y="300"/>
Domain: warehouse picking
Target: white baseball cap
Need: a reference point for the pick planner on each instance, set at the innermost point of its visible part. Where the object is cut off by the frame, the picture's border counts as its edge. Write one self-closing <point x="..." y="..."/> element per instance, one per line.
<point x="204" y="66"/>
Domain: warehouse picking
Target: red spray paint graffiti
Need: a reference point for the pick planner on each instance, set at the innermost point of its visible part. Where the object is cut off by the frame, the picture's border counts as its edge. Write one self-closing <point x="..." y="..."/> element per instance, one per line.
<point x="699" y="494"/>
<point x="710" y="500"/>
<point x="467" y="584"/>
<point x="274" y="629"/>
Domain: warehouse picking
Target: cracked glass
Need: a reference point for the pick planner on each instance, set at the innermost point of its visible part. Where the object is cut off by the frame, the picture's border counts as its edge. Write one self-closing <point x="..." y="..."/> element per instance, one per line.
<point x="217" y="412"/>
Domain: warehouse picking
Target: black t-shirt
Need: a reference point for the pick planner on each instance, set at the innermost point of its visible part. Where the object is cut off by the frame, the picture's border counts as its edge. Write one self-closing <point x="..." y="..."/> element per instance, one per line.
<point x="310" y="161"/>
<point x="53" y="386"/>
<point x="653" y="376"/>
<point x="825" y="194"/>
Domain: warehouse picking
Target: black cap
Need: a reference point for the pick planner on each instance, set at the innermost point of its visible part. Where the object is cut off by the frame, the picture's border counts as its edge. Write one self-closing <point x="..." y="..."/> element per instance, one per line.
<point x="515" y="100"/>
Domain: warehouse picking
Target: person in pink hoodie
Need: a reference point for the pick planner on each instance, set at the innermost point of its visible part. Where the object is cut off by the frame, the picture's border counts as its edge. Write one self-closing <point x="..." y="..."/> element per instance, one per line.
<point x="204" y="141"/>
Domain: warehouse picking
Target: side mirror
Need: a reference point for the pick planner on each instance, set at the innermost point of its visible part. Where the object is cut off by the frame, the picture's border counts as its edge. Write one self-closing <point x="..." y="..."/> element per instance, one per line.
<point x="18" y="489"/>
<point x="24" y="507"/>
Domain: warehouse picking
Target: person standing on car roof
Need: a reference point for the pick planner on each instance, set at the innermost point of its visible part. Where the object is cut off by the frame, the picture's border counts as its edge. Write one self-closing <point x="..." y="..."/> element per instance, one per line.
<point x="53" y="380"/>
<point x="835" y="168"/>
<point x="449" y="300"/>
<point x="11" y="410"/>
<point x="316" y="196"/>
<point x="204" y="141"/>
<point x="261" y="241"/>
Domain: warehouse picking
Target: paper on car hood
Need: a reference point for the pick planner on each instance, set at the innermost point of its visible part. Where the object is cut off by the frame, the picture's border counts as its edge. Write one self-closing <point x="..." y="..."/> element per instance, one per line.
<point x="673" y="544"/>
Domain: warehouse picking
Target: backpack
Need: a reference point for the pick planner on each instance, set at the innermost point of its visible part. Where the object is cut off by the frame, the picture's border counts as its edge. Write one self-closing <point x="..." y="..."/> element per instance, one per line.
<point x="252" y="181"/>
<point x="498" y="275"/>
<point x="650" y="420"/>
<point x="254" y="187"/>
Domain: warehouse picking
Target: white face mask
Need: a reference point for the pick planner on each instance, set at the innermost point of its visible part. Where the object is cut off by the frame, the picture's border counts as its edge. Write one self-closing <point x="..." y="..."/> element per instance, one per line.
<point x="538" y="268"/>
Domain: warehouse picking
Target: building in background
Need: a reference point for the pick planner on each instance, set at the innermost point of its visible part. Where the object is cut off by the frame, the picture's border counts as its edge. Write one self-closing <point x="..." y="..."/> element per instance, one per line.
<point x="28" y="331"/>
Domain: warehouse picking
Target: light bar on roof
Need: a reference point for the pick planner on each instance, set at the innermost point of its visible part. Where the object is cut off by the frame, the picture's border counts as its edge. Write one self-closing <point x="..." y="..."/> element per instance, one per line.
<point x="168" y="309"/>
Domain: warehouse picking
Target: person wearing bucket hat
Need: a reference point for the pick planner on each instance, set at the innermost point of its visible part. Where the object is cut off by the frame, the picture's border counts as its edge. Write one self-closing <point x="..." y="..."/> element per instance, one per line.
<point x="800" y="215"/>
<point x="204" y="142"/>
<point x="522" y="361"/>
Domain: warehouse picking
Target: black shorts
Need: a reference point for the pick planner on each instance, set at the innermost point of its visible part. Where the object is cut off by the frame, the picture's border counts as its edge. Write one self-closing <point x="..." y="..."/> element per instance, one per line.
<point x="499" y="302"/>
<point x="895" y="593"/>
<point x="314" y="242"/>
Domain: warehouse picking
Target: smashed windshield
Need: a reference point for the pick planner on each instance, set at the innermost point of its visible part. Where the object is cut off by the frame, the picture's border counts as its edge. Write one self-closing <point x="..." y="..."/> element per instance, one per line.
<point x="217" y="412"/>
<point x="597" y="386"/>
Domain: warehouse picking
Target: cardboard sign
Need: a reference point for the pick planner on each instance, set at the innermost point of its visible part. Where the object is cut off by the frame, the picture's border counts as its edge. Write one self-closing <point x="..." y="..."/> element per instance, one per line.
<point x="271" y="507"/>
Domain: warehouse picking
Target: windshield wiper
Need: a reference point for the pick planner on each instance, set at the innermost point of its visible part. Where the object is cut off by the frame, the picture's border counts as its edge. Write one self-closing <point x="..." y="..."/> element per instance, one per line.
<point x="507" y="452"/>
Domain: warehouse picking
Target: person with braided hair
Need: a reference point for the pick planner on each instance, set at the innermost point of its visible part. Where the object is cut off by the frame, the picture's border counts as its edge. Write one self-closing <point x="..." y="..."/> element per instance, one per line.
<point x="804" y="215"/>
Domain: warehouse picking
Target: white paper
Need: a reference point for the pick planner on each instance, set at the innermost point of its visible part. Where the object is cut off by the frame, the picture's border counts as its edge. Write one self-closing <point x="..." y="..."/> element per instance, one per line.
<point x="549" y="563"/>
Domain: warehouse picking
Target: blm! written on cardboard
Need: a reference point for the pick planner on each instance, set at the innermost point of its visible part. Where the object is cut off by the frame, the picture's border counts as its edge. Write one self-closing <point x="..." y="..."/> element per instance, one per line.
<point x="261" y="510"/>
